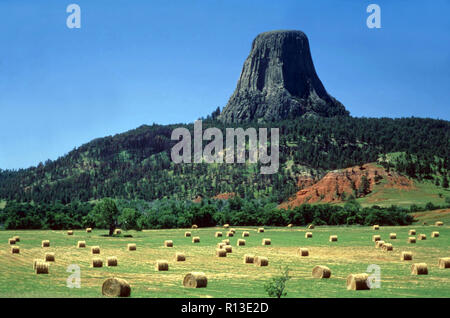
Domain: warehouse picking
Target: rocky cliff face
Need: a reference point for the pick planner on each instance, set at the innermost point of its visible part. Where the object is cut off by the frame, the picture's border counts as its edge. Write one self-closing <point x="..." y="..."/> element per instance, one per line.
<point x="278" y="81"/>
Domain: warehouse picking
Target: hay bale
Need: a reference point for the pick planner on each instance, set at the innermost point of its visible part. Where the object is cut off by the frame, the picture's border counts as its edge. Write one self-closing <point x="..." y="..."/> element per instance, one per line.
<point x="230" y="234"/>
<point x="220" y="252"/>
<point x="194" y="226"/>
<point x="321" y="271"/>
<point x="419" y="269"/>
<point x="412" y="232"/>
<point x="117" y="231"/>
<point x="333" y="238"/>
<point x="16" y="238"/>
<point x="70" y="232"/>
<point x="376" y="227"/>
<point x="37" y="260"/>
<point x="245" y="234"/>
<point x="228" y="248"/>
<point x="187" y="234"/>
<point x="303" y="251"/>
<point x="15" y="249"/>
<point x="422" y="237"/>
<point x="111" y="261"/>
<point x="411" y="240"/>
<point x="289" y="225"/>
<point x="387" y="247"/>
<point x="444" y="262"/>
<point x="240" y="242"/>
<point x="226" y="226"/>
<point x="226" y="241"/>
<point x="435" y="234"/>
<point x="266" y="241"/>
<point x="358" y="282"/>
<point x="308" y="235"/>
<point x="161" y="265"/>
<point x="97" y="262"/>
<point x="249" y="258"/>
<point x="261" y="230"/>
<point x="81" y="244"/>
<point x="376" y="238"/>
<point x="406" y="256"/>
<point x="45" y="243"/>
<point x="49" y="257"/>
<point x="218" y="234"/>
<point x="311" y="226"/>
<point x="379" y="244"/>
<point x="233" y="231"/>
<point x="88" y="230"/>
<point x="196" y="239"/>
<point x="95" y="249"/>
<point x="393" y="236"/>
<point x="221" y="245"/>
<point x="11" y="241"/>
<point x="439" y="223"/>
<point x="116" y="287"/>
<point x="261" y="261"/>
<point x="168" y="243"/>
<point x="131" y="247"/>
<point x="41" y="267"/>
<point x="180" y="257"/>
<point x="195" y="280"/>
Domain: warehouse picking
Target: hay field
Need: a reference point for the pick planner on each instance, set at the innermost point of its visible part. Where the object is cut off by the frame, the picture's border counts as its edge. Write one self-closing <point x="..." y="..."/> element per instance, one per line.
<point x="228" y="276"/>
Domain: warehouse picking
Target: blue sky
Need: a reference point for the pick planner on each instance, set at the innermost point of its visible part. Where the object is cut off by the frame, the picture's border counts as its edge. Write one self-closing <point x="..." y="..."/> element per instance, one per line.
<point x="170" y="61"/>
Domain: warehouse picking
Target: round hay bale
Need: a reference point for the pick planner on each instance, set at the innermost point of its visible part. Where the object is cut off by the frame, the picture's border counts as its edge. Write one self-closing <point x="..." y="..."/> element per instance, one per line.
<point x="161" y="265"/>
<point x="168" y="243"/>
<point x="70" y="232"/>
<point x="97" y="262"/>
<point x="187" y="234"/>
<point x="117" y="231"/>
<point x="240" y="242"/>
<point x="95" y="249"/>
<point x="387" y="247"/>
<point x="245" y="234"/>
<point x="266" y="241"/>
<point x="45" y="243"/>
<point x="228" y="248"/>
<point x="81" y="244"/>
<point x="376" y="227"/>
<point x="230" y="234"/>
<point x="444" y="262"/>
<point x="196" y="239"/>
<point x="289" y="225"/>
<point x="41" y="268"/>
<point x="221" y="245"/>
<point x="358" y="282"/>
<point x="111" y="261"/>
<point x="379" y="244"/>
<point x="116" y="287"/>
<point x="88" y="230"/>
<point x="226" y="226"/>
<point x="406" y="256"/>
<point x="411" y="240"/>
<point x="439" y="223"/>
<point x="37" y="260"/>
<point x="308" y="235"/>
<point x="419" y="269"/>
<point x="249" y="258"/>
<point x="194" y="226"/>
<point x="16" y="238"/>
<point x="311" y="226"/>
<point x="221" y="252"/>
<point x="261" y="230"/>
<point x="412" y="232"/>
<point x="49" y="257"/>
<point x="180" y="257"/>
<point x="321" y="271"/>
<point x="261" y="261"/>
<point x="11" y="241"/>
<point x="422" y="237"/>
<point x="15" y="250"/>
<point x="218" y="234"/>
<point x="195" y="280"/>
<point x="131" y="247"/>
<point x="435" y="234"/>
<point x="233" y="231"/>
<point x="303" y="251"/>
<point x="226" y="241"/>
<point x="393" y="236"/>
<point x="376" y="238"/>
<point x="333" y="238"/>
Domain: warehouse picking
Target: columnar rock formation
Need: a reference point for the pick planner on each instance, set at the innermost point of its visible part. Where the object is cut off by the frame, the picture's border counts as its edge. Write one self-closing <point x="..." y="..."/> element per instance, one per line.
<point x="279" y="81"/>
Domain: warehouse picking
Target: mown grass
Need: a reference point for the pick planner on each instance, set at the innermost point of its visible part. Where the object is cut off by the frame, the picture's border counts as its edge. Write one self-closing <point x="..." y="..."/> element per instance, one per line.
<point x="227" y="277"/>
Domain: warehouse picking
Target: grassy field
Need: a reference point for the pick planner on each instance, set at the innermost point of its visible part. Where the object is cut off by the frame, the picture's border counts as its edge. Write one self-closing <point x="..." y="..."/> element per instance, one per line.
<point x="227" y="277"/>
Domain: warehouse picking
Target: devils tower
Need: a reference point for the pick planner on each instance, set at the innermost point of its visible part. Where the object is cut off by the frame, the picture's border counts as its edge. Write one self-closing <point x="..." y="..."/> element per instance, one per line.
<point x="279" y="81"/>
